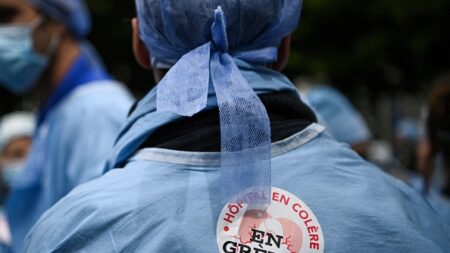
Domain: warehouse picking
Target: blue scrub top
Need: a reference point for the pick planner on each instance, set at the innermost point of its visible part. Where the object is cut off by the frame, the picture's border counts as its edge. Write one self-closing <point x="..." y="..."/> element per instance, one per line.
<point x="82" y="72"/>
<point x="169" y="201"/>
<point x="77" y="129"/>
<point x="439" y="202"/>
<point x="339" y="116"/>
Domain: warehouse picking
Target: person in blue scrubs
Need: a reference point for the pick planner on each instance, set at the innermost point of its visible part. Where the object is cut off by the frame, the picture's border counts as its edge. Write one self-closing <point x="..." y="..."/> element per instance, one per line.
<point x="434" y="149"/>
<point x="168" y="180"/>
<point x="16" y="133"/>
<point x="342" y="120"/>
<point x="42" y="50"/>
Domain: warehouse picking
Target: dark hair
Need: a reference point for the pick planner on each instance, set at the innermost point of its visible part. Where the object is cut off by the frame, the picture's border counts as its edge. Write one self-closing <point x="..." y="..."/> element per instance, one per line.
<point x="438" y="122"/>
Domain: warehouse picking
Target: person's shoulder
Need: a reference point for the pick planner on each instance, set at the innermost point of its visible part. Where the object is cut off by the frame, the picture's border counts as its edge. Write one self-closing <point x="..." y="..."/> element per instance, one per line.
<point x="344" y="167"/>
<point x="353" y="187"/>
<point x="100" y="95"/>
<point x="89" y="212"/>
<point x="327" y="96"/>
<point x="102" y="103"/>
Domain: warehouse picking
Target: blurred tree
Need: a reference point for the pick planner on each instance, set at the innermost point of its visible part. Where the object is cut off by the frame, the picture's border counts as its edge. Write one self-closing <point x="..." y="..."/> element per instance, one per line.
<point x="384" y="45"/>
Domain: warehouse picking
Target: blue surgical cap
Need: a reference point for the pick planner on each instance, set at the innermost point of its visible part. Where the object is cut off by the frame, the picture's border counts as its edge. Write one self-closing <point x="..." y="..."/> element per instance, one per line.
<point x="72" y="13"/>
<point x="171" y="28"/>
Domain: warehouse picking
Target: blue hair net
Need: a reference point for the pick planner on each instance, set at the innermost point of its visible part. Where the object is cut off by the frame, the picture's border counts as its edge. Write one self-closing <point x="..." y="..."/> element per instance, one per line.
<point x="171" y="28"/>
<point x="72" y="13"/>
<point x="203" y="40"/>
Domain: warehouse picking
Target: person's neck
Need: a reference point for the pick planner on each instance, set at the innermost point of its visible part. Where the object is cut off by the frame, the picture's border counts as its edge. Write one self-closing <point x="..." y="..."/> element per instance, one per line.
<point x="61" y="62"/>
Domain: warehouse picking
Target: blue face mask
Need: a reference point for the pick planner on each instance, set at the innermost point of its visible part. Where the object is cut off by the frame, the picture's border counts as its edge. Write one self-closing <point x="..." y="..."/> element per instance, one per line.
<point x="12" y="171"/>
<point x="20" y="65"/>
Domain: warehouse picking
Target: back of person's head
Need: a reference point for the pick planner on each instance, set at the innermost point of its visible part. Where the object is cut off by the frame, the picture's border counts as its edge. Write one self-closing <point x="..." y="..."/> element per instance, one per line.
<point x="203" y="42"/>
<point x="439" y="115"/>
<point x="172" y="28"/>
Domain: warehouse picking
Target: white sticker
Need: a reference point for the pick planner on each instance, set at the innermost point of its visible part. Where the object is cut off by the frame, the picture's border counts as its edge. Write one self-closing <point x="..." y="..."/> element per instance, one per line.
<point x="288" y="225"/>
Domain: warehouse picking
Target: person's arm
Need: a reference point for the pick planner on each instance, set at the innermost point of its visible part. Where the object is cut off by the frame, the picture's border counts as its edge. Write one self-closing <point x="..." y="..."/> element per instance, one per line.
<point x="425" y="159"/>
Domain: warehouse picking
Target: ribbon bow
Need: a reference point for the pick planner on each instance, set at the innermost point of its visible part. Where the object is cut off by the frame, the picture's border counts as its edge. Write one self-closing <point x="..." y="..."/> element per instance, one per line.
<point x="244" y="123"/>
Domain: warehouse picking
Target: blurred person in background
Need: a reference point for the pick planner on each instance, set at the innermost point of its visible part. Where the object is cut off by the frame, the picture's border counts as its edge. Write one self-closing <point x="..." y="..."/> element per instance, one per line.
<point x="224" y="126"/>
<point x="406" y="137"/>
<point x="16" y="133"/>
<point x="82" y="108"/>
<point x="333" y="109"/>
<point x="434" y="149"/>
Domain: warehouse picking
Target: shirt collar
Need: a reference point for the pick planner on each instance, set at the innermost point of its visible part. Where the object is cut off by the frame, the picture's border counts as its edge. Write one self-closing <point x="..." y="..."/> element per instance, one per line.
<point x="144" y="120"/>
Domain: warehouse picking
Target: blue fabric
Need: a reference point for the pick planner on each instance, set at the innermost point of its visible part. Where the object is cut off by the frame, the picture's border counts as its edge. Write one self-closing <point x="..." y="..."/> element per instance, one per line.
<point x="337" y="113"/>
<point x="244" y="123"/>
<point x="69" y="148"/>
<point x="439" y="202"/>
<point x="4" y="249"/>
<point x="82" y="72"/>
<point x="246" y="30"/>
<point x="146" y="119"/>
<point x="164" y="207"/>
<point x="407" y="129"/>
<point x="73" y="13"/>
<point x="207" y="56"/>
<point x="171" y="202"/>
<point x="166" y="25"/>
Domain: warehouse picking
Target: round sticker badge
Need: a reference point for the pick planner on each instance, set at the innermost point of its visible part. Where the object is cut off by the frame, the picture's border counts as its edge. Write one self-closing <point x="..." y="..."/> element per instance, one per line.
<point x="287" y="225"/>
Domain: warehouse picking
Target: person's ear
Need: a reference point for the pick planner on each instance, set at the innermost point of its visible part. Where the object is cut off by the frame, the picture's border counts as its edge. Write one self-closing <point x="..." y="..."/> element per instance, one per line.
<point x="284" y="49"/>
<point x="140" y="51"/>
<point x="45" y="35"/>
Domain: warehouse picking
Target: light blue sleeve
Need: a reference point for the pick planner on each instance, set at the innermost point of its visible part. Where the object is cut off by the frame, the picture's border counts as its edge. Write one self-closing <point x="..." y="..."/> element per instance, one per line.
<point x="439" y="202"/>
<point x="71" y="147"/>
<point x="340" y="117"/>
<point x="85" y="221"/>
<point x="90" y="125"/>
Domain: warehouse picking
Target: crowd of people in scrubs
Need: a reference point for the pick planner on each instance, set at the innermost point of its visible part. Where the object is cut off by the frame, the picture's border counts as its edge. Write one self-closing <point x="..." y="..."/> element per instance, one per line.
<point x="225" y="154"/>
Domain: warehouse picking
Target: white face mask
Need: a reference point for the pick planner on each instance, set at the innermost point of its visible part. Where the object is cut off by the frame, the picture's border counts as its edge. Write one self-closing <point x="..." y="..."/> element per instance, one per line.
<point x="11" y="171"/>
